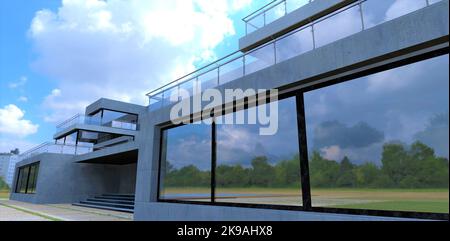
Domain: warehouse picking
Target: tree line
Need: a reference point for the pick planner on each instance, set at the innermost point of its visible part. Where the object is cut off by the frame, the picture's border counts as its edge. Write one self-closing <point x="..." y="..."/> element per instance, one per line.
<point x="401" y="166"/>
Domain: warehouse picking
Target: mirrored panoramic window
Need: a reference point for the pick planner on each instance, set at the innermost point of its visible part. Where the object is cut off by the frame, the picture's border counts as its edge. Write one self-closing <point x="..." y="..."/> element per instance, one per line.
<point x="259" y="169"/>
<point x="27" y="179"/>
<point x="185" y="172"/>
<point x="382" y="141"/>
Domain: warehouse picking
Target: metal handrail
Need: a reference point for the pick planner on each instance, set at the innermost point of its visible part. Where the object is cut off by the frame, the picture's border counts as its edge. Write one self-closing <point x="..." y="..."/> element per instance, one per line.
<point x="68" y="120"/>
<point x="91" y="120"/>
<point x="33" y="150"/>
<point x="245" y="19"/>
<point x="195" y="71"/>
<point x="244" y="54"/>
<point x="311" y="24"/>
<point x="174" y="82"/>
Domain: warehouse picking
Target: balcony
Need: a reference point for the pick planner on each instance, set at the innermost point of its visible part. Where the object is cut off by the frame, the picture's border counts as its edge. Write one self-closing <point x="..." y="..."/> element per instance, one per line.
<point x="271" y="12"/>
<point x="97" y="121"/>
<point x="51" y="147"/>
<point x="356" y="17"/>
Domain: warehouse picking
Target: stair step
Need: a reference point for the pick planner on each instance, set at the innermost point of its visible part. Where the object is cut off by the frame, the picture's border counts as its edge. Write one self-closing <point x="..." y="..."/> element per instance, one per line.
<point x="108" y="204"/>
<point x="116" y="198"/>
<point x="104" y="207"/>
<point x="118" y="195"/>
<point x="119" y="201"/>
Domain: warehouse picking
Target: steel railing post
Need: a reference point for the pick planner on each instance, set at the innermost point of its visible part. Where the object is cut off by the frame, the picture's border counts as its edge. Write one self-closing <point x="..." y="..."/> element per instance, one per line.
<point x="362" y="16"/>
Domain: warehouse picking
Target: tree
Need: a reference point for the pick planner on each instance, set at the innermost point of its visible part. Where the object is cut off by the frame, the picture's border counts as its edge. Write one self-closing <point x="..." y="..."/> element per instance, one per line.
<point x="287" y="172"/>
<point x="323" y="172"/>
<point x="262" y="172"/>
<point x="15" y="151"/>
<point x="347" y="176"/>
<point x="395" y="161"/>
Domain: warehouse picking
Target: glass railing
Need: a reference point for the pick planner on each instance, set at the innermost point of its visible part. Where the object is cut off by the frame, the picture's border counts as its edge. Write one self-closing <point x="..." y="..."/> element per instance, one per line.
<point x="354" y="18"/>
<point x="94" y="120"/>
<point x="51" y="147"/>
<point x="271" y="12"/>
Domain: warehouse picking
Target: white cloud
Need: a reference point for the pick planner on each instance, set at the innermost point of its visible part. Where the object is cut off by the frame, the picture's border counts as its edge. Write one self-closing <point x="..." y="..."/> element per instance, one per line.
<point x="402" y="7"/>
<point x="121" y="49"/>
<point x="21" y="82"/>
<point x="23" y="99"/>
<point x="393" y="79"/>
<point x="8" y="144"/>
<point x="12" y="122"/>
<point x="332" y="152"/>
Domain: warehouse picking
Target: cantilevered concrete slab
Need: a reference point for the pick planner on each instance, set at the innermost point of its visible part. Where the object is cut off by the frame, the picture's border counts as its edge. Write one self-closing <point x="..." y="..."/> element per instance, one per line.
<point x="115" y="105"/>
<point x="413" y="34"/>
<point x="95" y="128"/>
<point x="118" y="155"/>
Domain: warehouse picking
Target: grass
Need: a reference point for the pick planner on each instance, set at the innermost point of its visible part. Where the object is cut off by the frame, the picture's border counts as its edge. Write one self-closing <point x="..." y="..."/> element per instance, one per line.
<point x="415" y="206"/>
<point x="418" y="200"/>
<point x="32" y="213"/>
<point x="4" y="194"/>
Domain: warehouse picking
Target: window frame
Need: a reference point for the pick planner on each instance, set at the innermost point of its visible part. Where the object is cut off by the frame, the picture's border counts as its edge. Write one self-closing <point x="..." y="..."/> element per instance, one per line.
<point x="19" y="181"/>
<point x="303" y="153"/>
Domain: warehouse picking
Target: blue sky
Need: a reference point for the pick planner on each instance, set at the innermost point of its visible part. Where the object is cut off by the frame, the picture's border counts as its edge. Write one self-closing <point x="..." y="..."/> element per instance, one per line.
<point x="40" y="80"/>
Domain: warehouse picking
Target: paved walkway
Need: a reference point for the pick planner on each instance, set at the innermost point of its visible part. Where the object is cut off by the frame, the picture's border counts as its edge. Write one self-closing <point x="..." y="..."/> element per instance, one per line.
<point x="21" y="211"/>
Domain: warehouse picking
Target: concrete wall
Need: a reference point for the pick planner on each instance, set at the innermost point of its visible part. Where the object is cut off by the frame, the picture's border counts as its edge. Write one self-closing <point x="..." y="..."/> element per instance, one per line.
<point x="403" y="36"/>
<point x="406" y="36"/>
<point x="190" y="212"/>
<point x="60" y="180"/>
<point x="114" y="105"/>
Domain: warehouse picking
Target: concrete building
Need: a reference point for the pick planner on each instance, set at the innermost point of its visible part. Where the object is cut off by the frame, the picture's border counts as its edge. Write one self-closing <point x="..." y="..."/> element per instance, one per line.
<point x="357" y="83"/>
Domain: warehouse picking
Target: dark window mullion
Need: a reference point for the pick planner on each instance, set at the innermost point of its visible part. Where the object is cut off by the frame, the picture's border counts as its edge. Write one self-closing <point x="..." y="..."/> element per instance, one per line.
<point x="213" y="161"/>
<point x="28" y="179"/>
<point x="303" y="148"/>
<point x="19" y="181"/>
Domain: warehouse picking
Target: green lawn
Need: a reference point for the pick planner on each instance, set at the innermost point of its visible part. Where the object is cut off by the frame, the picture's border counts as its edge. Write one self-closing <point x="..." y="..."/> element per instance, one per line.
<point x="418" y="200"/>
<point x="416" y="206"/>
<point x="4" y="194"/>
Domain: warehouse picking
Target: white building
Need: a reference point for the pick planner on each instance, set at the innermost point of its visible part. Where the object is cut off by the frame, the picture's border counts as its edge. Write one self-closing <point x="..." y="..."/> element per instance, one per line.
<point x="7" y="165"/>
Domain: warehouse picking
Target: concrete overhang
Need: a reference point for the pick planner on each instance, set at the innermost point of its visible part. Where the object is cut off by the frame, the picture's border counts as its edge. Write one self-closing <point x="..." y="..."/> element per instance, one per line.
<point x="94" y="128"/>
<point x="118" y="155"/>
<point x="295" y="19"/>
<point x="114" y="105"/>
<point x="43" y="157"/>
<point x="406" y="37"/>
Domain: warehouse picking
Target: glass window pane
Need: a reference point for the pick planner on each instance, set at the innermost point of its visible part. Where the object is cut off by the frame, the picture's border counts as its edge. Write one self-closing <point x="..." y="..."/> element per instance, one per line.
<point x="349" y="22"/>
<point x="231" y="71"/>
<point x="292" y="5"/>
<point x="155" y="102"/>
<point x="185" y="172"/>
<point x="19" y="180"/>
<point x="295" y="44"/>
<point x="24" y="179"/>
<point x="30" y="187"/>
<point x="259" y="169"/>
<point x="275" y="12"/>
<point x="208" y="80"/>
<point x="71" y="139"/>
<point x="119" y="120"/>
<point x="381" y="141"/>
<point x="172" y="91"/>
<point x="377" y="12"/>
<point x="259" y="59"/>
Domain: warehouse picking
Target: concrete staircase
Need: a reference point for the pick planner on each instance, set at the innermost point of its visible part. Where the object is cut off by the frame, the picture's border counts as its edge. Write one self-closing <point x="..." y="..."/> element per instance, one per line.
<point x="116" y="202"/>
